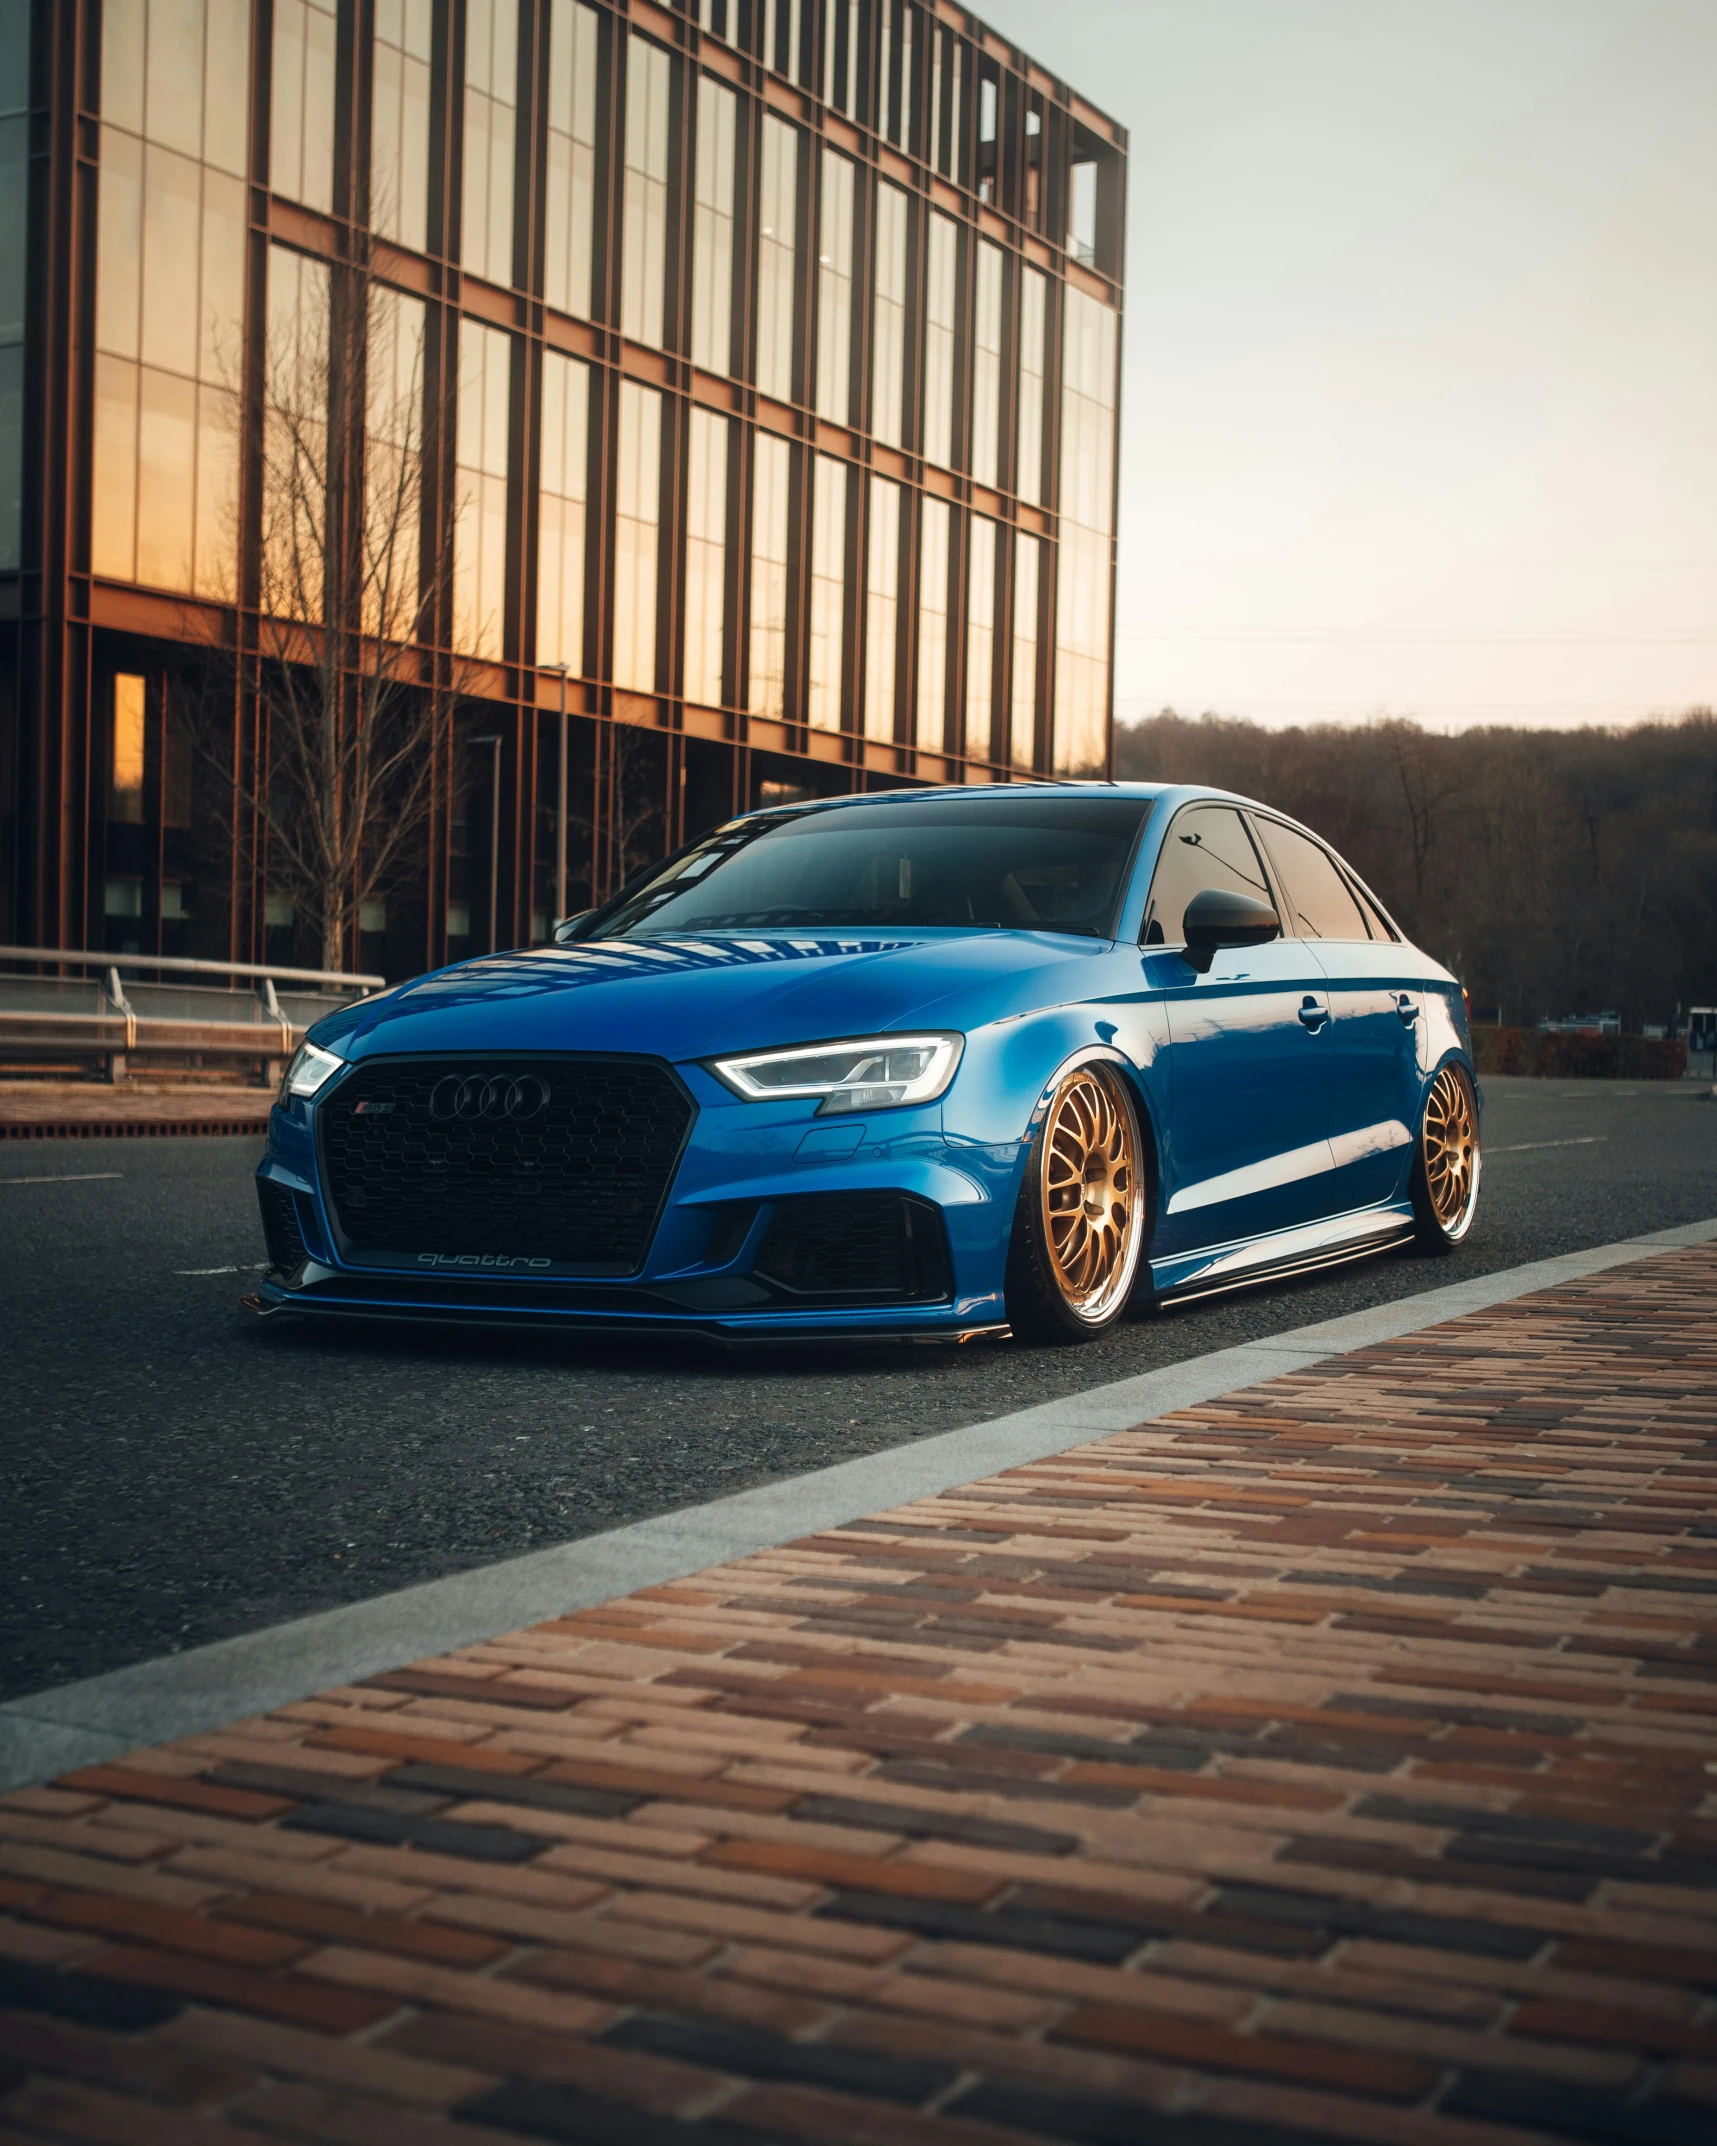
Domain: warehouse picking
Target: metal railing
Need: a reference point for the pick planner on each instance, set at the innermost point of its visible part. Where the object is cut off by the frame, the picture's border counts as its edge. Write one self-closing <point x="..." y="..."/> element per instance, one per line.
<point x="99" y="1018"/>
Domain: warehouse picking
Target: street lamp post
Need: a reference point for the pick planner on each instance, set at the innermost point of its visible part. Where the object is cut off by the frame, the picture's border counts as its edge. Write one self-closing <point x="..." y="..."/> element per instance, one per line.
<point x="493" y="738"/>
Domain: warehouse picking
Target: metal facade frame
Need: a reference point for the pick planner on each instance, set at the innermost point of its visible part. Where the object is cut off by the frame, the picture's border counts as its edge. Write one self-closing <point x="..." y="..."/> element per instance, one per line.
<point x="63" y="630"/>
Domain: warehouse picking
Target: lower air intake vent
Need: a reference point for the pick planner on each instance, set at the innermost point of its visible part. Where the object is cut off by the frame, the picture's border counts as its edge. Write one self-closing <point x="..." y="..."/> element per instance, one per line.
<point x="515" y="1167"/>
<point x="286" y="1250"/>
<point x="856" y="1247"/>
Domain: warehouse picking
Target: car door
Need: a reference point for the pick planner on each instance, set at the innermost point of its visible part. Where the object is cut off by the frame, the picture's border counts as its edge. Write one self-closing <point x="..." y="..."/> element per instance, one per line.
<point x="1246" y="1149"/>
<point x="1376" y="1016"/>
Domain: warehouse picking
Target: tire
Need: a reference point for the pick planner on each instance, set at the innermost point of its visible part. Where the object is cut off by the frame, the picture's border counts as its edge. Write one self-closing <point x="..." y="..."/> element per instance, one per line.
<point x="1083" y="1217"/>
<point x="1446" y="1163"/>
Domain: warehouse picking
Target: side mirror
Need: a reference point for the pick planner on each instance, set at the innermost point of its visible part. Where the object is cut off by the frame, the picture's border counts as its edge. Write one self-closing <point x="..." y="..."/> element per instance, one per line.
<point x="1219" y="916"/>
<point x="565" y="932"/>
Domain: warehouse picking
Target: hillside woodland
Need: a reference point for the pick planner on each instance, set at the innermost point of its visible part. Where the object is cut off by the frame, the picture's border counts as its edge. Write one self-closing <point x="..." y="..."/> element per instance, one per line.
<point x="1553" y="871"/>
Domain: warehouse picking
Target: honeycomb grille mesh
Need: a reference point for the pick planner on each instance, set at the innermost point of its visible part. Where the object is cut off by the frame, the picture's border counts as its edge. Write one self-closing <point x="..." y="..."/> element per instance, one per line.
<point x="503" y="1164"/>
<point x="286" y="1249"/>
<point x="855" y="1246"/>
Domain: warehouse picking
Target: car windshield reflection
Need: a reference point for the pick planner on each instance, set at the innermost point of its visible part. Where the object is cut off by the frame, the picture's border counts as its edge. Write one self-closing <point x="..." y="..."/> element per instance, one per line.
<point x="1027" y="863"/>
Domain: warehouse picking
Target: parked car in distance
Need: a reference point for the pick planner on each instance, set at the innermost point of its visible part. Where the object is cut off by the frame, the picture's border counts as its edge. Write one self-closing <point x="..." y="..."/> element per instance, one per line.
<point x="929" y="1063"/>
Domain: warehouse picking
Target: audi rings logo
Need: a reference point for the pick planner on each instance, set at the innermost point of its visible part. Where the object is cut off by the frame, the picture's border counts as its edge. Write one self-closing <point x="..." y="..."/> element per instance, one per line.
<point x="476" y="1096"/>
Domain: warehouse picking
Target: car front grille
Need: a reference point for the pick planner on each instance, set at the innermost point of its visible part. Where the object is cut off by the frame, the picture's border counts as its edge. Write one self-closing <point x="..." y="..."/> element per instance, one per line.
<point x="516" y="1166"/>
<point x="855" y="1247"/>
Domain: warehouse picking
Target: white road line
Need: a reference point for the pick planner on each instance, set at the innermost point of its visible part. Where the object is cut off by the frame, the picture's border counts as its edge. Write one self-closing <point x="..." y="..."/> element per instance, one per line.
<point x="78" y="1177"/>
<point x="1526" y="1147"/>
<point x="232" y="1679"/>
<point x="205" y="1270"/>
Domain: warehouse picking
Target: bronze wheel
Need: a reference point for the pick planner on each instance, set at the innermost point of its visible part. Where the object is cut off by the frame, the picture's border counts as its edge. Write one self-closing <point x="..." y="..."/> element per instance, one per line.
<point x="1081" y="1226"/>
<point x="1446" y="1178"/>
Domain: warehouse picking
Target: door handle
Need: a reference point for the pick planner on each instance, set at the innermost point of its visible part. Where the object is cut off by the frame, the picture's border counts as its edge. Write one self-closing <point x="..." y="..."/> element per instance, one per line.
<point x="1313" y="1015"/>
<point x="1405" y="1007"/>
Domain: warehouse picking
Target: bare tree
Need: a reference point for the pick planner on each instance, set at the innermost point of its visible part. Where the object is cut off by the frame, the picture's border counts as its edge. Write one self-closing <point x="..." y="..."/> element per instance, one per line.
<point x="349" y="702"/>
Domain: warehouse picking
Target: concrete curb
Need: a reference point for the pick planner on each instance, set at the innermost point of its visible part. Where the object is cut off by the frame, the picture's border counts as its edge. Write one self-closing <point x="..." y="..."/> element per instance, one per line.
<point x="207" y="1687"/>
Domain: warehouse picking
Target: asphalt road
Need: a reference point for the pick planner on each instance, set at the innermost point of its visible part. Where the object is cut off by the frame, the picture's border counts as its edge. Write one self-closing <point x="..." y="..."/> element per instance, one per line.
<point x="173" y="1471"/>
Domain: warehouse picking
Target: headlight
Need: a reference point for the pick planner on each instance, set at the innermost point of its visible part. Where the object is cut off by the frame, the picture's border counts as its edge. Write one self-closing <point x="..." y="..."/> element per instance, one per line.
<point x="876" y="1073"/>
<point x="311" y="1068"/>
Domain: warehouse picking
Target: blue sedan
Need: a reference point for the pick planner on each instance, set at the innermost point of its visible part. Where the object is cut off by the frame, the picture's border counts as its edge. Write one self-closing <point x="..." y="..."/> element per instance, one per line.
<point x="930" y="1064"/>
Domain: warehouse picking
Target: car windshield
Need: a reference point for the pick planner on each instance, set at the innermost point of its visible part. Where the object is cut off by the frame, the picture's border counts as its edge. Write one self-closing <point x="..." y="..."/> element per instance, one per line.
<point x="999" y="862"/>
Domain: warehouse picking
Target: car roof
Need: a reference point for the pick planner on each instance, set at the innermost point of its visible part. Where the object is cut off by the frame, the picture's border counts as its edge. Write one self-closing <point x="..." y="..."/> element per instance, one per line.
<point x="939" y="792"/>
<point x="932" y="793"/>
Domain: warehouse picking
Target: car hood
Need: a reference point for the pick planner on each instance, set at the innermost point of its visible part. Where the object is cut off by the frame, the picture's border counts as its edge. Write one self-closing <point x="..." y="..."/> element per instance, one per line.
<point x="685" y="998"/>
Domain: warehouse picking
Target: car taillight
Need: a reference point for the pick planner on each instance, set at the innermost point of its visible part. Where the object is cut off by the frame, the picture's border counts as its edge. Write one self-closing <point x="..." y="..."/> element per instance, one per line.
<point x="1467" y="1003"/>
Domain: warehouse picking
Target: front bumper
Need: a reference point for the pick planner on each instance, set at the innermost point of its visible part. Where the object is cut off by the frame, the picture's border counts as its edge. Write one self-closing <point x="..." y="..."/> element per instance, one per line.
<point x="714" y="1268"/>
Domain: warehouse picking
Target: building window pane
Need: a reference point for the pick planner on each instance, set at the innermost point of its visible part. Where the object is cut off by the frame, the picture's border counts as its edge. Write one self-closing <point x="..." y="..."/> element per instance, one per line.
<point x="835" y="291"/>
<point x="119" y="245"/>
<point x="173" y="74"/>
<point x="882" y="608"/>
<point x="491" y="93"/>
<point x="301" y="126"/>
<point x="172" y="233"/>
<point x="393" y="464"/>
<point x="769" y="492"/>
<point x="226" y="87"/>
<point x="942" y="254"/>
<point x="480" y="530"/>
<point x="1087" y="511"/>
<point x="706" y="558"/>
<point x="828" y="591"/>
<point x="637" y="519"/>
<point x="125" y="767"/>
<point x="122" y="44"/>
<point x="980" y="639"/>
<point x="399" y="122"/>
<point x="842" y="37"/>
<point x="166" y="449"/>
<point x="712" y="230"/>
<point x="888" y="366"/>
<point x="563" y="479"/>
<point x="1028" y="475"/>
<point x="1024" y="723"/>
<point x="932" y="724"/>
<point x="215" y="542"/>
<point x="777" y="241"/>
<point x="295" y="436"/>
<point x="986" y="362"/>
<point x="571" y="187"/>
<point x="170" y="256"/>
<point x="113" y="516"/>
<point x="220" y="309"/>
<point x="644" y="244"/>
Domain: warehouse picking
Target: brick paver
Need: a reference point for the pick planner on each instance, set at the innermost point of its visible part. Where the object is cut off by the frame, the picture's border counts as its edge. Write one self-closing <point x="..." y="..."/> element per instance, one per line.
<point x="1335" y="1761"/>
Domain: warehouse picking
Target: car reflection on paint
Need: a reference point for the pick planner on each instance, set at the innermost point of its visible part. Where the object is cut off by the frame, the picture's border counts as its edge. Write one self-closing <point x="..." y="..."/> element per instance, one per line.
<point x="930" y="1064"/>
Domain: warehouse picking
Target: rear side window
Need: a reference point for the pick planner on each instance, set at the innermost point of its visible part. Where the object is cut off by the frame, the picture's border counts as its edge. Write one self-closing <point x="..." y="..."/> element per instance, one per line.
<point x="1208" y="846"/>
<point x="1321" y="904"/>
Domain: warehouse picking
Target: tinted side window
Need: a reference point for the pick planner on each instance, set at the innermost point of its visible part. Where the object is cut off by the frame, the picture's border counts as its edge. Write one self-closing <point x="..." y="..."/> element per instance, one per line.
<point x="1321" y="905"/>
<point x="1381" y="928"/>
<point x="1208" y="846"/>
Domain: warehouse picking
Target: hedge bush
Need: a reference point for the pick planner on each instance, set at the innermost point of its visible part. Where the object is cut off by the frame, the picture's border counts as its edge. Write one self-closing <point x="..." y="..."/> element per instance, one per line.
<point x="1558" y="1056"/>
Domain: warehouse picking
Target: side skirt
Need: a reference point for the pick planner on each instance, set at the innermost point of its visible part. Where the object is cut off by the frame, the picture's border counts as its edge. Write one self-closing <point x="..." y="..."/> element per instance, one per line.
<point x="1269" y="1259"/>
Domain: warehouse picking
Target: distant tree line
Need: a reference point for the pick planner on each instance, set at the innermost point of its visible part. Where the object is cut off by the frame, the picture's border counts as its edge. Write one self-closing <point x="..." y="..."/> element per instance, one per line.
<point x="1553" y="871"/>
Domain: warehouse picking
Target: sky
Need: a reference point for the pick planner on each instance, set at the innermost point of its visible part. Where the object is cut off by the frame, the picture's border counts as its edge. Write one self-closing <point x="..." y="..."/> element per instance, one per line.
<point x="1419" y="385"/>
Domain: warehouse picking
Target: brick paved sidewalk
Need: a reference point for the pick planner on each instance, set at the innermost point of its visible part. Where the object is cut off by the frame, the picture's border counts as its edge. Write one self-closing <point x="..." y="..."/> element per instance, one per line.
<point x="1335" y="1761"/>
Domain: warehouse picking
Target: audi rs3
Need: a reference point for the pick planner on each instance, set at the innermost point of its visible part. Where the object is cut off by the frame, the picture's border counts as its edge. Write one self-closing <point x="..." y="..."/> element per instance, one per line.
<point x="924" y="1064"/>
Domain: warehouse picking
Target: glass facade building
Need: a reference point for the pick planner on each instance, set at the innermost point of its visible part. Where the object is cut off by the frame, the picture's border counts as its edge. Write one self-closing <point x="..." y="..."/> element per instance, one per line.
<point x="698" y="404"/>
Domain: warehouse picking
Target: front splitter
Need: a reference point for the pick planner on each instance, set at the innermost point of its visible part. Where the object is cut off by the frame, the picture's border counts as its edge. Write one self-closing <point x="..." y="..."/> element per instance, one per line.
<point x="793" y="1330"/>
